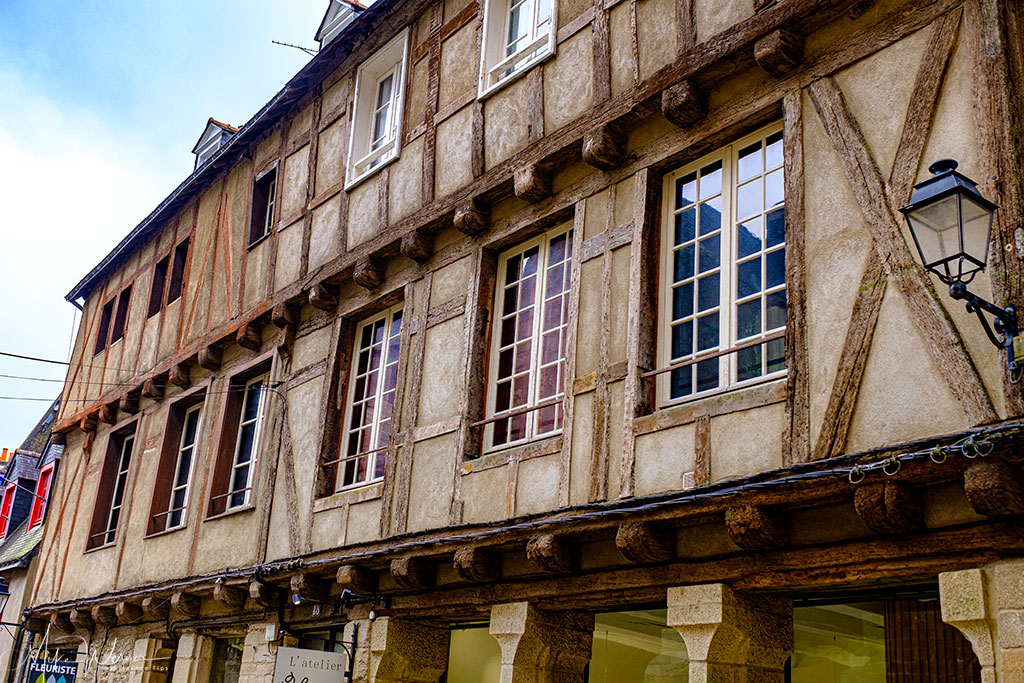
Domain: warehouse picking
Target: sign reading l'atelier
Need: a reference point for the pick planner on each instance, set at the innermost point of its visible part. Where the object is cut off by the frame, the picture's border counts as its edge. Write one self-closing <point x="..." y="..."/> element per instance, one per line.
<point x="295" y="665"/>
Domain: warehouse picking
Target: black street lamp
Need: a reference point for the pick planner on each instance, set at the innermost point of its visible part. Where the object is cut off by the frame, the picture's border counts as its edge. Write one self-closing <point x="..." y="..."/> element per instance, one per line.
<point x="951" y="222"/>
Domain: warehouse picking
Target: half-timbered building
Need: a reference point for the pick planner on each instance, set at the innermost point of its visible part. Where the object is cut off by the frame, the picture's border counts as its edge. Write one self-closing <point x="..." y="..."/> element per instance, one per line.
<point x="562" y="340"/>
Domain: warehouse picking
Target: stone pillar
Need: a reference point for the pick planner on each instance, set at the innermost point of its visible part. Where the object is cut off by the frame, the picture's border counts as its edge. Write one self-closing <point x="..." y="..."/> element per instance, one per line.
<point x="193" y="660"/>
<point x="259" y="657"/>
<point x="151" y="660"/>
<point x="987" y="606"/>
<point x="539" y="646"/>
<point x="730" y="636"/>
<point x="407" y="652"/>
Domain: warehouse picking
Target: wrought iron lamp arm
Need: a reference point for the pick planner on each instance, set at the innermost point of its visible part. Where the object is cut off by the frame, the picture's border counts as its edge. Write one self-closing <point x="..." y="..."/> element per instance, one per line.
<point x="1004" y="319"/>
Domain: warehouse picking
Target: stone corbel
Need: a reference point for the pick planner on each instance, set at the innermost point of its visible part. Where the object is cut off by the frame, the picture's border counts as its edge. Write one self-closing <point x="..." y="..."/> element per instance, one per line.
<point x="407" y="652"/>
<point x="538" y="645"/>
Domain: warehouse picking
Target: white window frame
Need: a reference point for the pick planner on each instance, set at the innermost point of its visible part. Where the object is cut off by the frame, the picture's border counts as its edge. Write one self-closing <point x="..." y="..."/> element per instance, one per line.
<point x="246" y="491"/>
<point x="540" y="44"/>
<point x="532" y="431"/>
<point x="728" y="266"/>
<point x="392" y="59"/>
<point x="124" y="465"/>
<point x="187" y="486"/>
<point x="376" y="423"/>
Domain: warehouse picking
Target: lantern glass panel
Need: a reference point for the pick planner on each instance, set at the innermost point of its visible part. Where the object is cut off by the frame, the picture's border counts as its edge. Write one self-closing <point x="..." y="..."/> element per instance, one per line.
<point x="936" y="230"/>
<point x="977" y="224"/>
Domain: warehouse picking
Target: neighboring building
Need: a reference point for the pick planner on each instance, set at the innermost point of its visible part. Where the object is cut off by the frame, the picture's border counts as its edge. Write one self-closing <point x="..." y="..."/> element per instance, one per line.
<point x="27" y="482"/>
<point x="215" y="136"/>
<point x="577" y="340"/>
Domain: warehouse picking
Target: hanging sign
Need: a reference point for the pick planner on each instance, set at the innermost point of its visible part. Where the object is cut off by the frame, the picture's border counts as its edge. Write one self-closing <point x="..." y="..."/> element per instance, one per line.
<point x="295" y="665"/>
<point x="51" y="671"/>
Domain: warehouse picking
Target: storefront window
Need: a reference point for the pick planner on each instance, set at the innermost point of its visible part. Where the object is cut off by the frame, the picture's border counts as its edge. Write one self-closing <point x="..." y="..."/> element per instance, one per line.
<point x="637" y="646"/>
<point x="473" y="656"/>
<point x="227" y="660"/>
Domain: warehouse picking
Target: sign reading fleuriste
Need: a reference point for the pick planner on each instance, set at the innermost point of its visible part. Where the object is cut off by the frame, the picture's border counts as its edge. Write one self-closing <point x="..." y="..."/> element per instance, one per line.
<point x="50" y="671"/>
<point x="295" y="665"/>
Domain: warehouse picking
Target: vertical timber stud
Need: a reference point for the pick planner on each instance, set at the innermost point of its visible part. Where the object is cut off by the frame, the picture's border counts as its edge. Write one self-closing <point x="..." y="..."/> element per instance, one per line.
<point x="537" y="645"/>
<point x="730" y="636"/>
<point x="407" y="652"/>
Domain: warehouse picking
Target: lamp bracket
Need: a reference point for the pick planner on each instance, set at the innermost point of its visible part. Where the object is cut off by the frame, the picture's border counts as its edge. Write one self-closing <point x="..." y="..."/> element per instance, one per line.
<point x="1004" y="320"/>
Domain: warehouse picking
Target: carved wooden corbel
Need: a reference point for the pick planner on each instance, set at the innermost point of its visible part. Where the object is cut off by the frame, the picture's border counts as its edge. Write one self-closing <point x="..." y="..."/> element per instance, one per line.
<point x="310" y="588"/>
<point x="156" y="608"/>
<point x="323" y="297"/>
<point x="356" y="579"/>
<point x="779" y="52"/>
<point x="232" y="597"/>
<point x="36" y="624"/>
<point x="181" y="375"/>
<point x="644" y="542"/>
<point x="889" y="507"/>
<point x="684" y="104"/>
<point x="756" y="528"/>
<point x="209" y="358"/>
<point x="604" y="147"/>
<point x="417" y="245"/>
<point x="250" y="336"/>
<point x="477" y="564"/>
<point x="153" y="388"/>
<point x="471" y="219"/>
<point x="368" y="273"/>
<point x="62" y="622"/>
<point x="264" y="594"/>
<point x="551" y="553"/>
<point x="127" y="612"/>
<point x="82" y="618"/>
<point x="108" y="413"/>
<point x="285" y="314"/>
<point x="104" y="616"/>
<point x="185" y="604"/>
<point x="413" y="573"/>
<point x="995" y="488"/>
<point x="532" y="183"/>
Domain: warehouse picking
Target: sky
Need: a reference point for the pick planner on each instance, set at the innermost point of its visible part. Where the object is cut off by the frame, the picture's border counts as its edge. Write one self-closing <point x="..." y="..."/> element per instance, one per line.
<point x="101" y="103"/>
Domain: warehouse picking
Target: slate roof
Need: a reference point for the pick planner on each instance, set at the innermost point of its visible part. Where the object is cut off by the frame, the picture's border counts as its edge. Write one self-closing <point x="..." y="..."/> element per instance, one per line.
<point x="20" y="547"/>
<point x="36" y="440"/>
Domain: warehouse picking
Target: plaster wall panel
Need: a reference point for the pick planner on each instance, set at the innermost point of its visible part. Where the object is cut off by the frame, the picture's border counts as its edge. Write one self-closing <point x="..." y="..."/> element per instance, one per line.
<point x="330" y="169"/>
<point x="649" y="135"/>
<point x="954" y="136"/>
<point x="662" y="458"/>
<point x="621" y="47"/>
<point x="442" y="371"/>
<point x="616" y="395"/>
<point x="618" y="312"/>
<point x="825" y="39"/>
<point x="747" y="442"/>
<point x="289" y="255"/>
<point x="505" y="131"/>
<point x="433" y="466"/>
<point x="458" y="54"/>
<point x="311" y="348"/>
<point x="837" y="245"/>
<point x="714" y="16"/>
<point x="582" y="455"/>
<point x="256" y="274"/>
<point x="422" y="30"/>
<point x="169" y="331"/>
<point x="290" y="524"/>
<point x="570" y="9"/>
<point x="406" y="179"/>
<point x="268" y="148"/>
<point x="568" y="81"/>
<point x="453" y="7"/>
<point x="656" y="35"/>
<point x="537" y="484"/>
<point x="296" y="173"/>
<point x="200" y="281"/>
<point x="329" y="528"/>
<point x="136" y="322"/>
<point x="301" y="123"/>
<point x="337" y="95"/>
<point x="483" y="495"/>
<point x="148" y="344"/>
<point x="570" y="176"/>
<point x="624" y="200"/>
<point x="228" y="541"/>
<point x="877" y="90"/>
<point x="363" y="219"/>
<point x="591" y="286"/>
<point x="239" y="200"/>
<point x="454" y="164"/>
<point x="903" y="395"/>
<point x="363" y="522"/>
<point x="416" y="95"/>
<point x="451" y="281"/>
<point x="595" y="214"/>
<point x="323" y="239"/>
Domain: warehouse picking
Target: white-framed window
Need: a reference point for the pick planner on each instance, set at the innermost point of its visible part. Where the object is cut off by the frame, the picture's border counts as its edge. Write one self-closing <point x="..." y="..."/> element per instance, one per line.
<point x="250" y="425"/>
<point x="517" y="34"/>
<point x="528" y="341"/>
<point x="373" y="381"/>
<point x="181" y="484"/>
<point x="724" y="270"/>
<point x="376" y="131"/>
<point x="124" y="461"/>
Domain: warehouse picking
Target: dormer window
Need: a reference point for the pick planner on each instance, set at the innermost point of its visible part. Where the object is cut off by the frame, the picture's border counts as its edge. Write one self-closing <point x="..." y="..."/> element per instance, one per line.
<point x="215" y="136"/>
<point x="340" y="14"/>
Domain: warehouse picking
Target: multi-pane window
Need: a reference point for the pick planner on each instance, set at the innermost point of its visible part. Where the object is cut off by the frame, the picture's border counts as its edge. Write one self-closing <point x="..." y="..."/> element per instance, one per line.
<point x="724" y="266"/>
<point x="121" y="316"/>
<point x="377" y="120"/>
<point x="103" y="332"/>
<point x="42" y="495"/>
<point x="528" y="340"/>
<point x="517" y="34"/>
<point x="264" y="196"/>
<point x="249" y="427"/>
<point x="112" y="489"/>
<point x="371" y="398"/>
<point x="181" y="482"/>
<point x="163" y="269"/>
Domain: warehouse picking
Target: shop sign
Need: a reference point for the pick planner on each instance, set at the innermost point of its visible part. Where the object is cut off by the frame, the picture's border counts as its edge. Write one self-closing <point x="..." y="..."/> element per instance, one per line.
<point x="295" y="665"/>
<point x="51" y="671"/>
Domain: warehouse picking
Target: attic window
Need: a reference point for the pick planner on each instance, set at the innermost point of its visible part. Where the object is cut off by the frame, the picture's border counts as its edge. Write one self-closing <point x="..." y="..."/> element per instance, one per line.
<point x="104" y="329"/>
<point x="156" y="294"/>
<point x="178" y="271"/>
<point x="121" y="317"/>
<point x="264" y="191"/>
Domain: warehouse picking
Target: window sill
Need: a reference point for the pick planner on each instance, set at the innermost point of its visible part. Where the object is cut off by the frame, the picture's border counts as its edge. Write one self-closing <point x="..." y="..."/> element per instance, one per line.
<point x="729" y="400"/>
<point x="360" y="179"/>
<point x="100" y="547"/>
<point x="233" y="511"/>
<point x="547" y="445"/>
<point x="370" y="491"/>
<point x="157" y="534"/>
<point x="253" y="245"/>
<point x="486" y="91"/>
